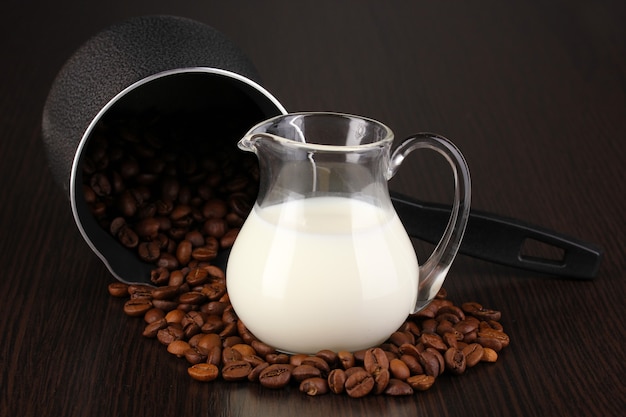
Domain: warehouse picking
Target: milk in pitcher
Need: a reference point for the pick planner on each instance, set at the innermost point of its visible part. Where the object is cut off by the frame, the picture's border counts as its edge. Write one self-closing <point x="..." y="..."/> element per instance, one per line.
<point x="322" y="273"/>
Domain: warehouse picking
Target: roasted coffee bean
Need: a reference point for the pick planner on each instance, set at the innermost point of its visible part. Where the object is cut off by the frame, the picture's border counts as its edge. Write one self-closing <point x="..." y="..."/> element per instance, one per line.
<point x="433" y="340"/>
<point x="231" y="355"/>
<point x="137" y="306"/>
<point x="167" y="260"/>
<point x="490" y="333"/>
<point x="165" y="292"/>
<point x="128" y="237"/>
<point x="245" y="350"/>
<point x="116" y="225"/>
<point x="314" y="386"/>
<point x="254" y="360"/>
<point x="236" y="370"/>
<point x="397" y="388"/>
<point x="159" y="276"/>
<point x="170" y="334"/>
<point x="229" y="237"/>
<point x="359" y="384"/>
<point x="381" y="379"/>
<point x="455" y="361"/>
<point x="336" y="380"/>
<point x="204" y="253"/>
<point x="192" y="297"/>
<point x="302" y="372"/>
<point x="208" y="341"/>
<point x="328" y="355"/>
<point x="421" y="382"/>
<point x="399" y="369"/>
<point x="346" y="359"/>
<point x="430" y="363"/>
<point x="213" y="324"/>
<point x="413" y="364"/>
<point x="477" y="310"/>
<point x="153" y="314"/>
<point x="118" y="289"/>
<point x="178" y="347"/>
<point x="230" y="329"/>
<point x="429" y="326"/>
<point x="489" y="342"/>
<point x="262" y="349"/>
<point x="473" y="354"/>
<point x="183" y="252"/>
<point x="213" y="291"/>
<point x="100" y="184"/>
<point x="277" y="358"/>
<point x="439" y="356"/>
<point x="399" y="338"/>
<point x="214" y="355"/>
<point x="253" y="376"/>
<point x="153" y="328"/>
<point x="214" y="208"/>
<point x="318" y="363"/>
<point x="276" y="375"/>
<point x="489" y="355"/>
<point x="375" y="360"/>
<point x="197" y="276"/>
<point x="203" y="372"/>
<point x="215" y="227"/>
<point x="165" y="305"/>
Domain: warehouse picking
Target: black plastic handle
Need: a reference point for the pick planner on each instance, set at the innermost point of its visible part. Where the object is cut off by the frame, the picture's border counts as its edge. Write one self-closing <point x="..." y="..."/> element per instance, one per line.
<point x="502" y="240"/>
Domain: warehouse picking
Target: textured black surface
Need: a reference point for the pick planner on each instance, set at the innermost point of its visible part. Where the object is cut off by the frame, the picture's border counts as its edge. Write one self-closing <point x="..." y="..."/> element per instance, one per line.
<point x="116" y="58"/>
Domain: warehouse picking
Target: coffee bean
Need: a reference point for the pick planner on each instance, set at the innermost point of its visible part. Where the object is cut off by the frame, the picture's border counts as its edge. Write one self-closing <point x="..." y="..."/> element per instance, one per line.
<point x="253" y="376"/>
<point x="336" y="380"/>
<point x="375" y="360"/>
<point x="421" y="382"/>
<point x="128" y="237"/>
<point x="276" y="375"/>
<point x="399" y="369"/>
<point x="137" y="307"/>
<point x="397" y="387"/>
<point x="314" y="386"/>
<point x="489" y="355"/>
<point x="153" y="314"/>
<point x="318" y="363"/>
<point x="433" y="340"/>
<point x="118" y="289"/>
<point x="477" y="310"/>
<point x="455" y="361"/>
<point x="381" y="379"/>
<point x="203" y="372"/>
<point x="302" y="372"/>
<point x="236" y="370"/>
<point x="183" y="252"/>
<point x="178" y="347"/>
<point x="359" y="384"/>
<point x="170" y="334"/>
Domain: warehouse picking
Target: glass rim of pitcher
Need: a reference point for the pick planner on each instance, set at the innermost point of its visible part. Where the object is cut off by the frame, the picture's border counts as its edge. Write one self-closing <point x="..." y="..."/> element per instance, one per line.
<point x="314" y="146"/>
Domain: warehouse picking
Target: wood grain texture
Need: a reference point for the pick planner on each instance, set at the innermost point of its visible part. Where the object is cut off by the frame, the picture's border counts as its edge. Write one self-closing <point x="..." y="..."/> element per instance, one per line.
<point x="534" y="94"/>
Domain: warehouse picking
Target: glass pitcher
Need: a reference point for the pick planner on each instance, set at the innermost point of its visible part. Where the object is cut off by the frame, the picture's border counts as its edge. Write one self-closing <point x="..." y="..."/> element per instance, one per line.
<point x="323" y="261"/>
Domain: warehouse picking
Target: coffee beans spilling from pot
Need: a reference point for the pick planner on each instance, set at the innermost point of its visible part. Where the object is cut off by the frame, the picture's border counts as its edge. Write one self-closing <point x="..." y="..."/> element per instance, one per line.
<point x="177" y="199"/>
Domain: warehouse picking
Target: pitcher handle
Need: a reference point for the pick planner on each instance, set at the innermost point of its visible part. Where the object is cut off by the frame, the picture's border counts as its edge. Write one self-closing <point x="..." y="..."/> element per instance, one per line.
<point x="433" y="272"/>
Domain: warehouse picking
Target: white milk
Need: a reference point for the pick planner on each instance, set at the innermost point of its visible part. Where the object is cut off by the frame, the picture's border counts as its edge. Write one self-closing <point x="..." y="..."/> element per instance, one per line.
<point x="322" y="273"/>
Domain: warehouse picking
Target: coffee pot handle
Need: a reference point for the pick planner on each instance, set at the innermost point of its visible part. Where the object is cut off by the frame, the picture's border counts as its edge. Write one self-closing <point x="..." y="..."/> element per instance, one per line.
<point x="433" y="272"/>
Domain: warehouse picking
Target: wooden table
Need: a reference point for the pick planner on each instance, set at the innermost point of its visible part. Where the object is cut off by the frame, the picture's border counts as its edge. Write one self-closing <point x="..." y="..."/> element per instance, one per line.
<point x="534" y="94"/>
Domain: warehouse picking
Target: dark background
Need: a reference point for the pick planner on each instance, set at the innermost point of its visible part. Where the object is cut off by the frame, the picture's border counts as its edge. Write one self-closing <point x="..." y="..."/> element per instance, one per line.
<point x="534" y="94"/>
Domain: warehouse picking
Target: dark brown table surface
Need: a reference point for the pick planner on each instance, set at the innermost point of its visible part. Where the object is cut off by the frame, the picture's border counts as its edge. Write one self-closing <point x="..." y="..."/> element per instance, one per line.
<point x="534" y="94"/>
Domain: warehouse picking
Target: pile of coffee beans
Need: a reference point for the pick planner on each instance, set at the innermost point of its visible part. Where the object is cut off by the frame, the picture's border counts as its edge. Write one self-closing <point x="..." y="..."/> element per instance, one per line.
<point x="176" y="198"/>
<point x="199" y="325"/>
<point x="173" y="196"/>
